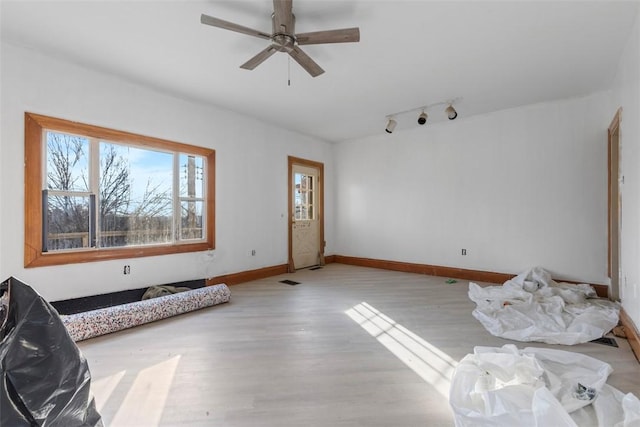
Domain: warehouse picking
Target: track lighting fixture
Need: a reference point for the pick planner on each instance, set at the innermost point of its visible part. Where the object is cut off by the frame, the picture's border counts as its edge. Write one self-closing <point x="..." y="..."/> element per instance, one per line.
<point x="391" y="125"/>
<point x="450" y="112"/>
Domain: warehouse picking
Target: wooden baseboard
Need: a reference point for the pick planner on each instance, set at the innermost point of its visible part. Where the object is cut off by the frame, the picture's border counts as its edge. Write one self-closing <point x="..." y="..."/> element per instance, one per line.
<point x="431" y="270"/>
<point x="601" y="290"/>
<point x="631" y="331"/>
<point x="261" y="273"/>
<point x="437" y="270"/>
<point x="247" y="276"/>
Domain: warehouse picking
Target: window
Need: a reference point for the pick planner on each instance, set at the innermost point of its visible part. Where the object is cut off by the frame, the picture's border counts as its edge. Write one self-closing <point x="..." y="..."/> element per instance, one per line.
<point x="303" y="197"/>
<point x="93" y="193"/>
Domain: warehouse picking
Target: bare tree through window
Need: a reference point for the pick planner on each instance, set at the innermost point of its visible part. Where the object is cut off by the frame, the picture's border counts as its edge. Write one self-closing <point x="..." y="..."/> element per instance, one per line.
<point x="128" y="213"/>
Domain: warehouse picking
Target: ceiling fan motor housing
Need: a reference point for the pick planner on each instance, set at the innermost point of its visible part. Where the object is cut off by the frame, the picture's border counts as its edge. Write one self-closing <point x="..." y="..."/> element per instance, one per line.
<point x="283" y="36"/>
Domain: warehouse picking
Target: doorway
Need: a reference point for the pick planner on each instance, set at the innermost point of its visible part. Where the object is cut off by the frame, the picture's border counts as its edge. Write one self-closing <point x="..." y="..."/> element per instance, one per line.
<point x="615" y="206"/>
<point x="306" y="213"/>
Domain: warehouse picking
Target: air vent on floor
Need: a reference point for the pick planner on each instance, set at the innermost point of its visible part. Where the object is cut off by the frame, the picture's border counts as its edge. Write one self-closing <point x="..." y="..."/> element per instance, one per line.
<point x="289" y="282"/>
<point x="315" y="268"/>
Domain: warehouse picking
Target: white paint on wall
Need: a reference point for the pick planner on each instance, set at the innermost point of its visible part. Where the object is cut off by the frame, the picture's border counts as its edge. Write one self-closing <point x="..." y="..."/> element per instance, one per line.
<point x="516" y="188"/>
<point x="251" y="173"/>
<point x="626" y="94"/>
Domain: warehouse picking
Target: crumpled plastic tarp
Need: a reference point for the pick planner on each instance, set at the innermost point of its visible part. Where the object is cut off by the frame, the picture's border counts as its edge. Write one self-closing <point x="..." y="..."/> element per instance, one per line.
<point x="533" y="307"/>
<point x="537" y="387"/>
<point x="45" y="380"/>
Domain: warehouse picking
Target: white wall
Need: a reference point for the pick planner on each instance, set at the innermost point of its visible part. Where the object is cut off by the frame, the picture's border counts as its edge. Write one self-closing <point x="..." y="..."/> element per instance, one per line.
<point x="251" y="173"/>
<point x="626" y="94"/>
<point x="516" y="188"/>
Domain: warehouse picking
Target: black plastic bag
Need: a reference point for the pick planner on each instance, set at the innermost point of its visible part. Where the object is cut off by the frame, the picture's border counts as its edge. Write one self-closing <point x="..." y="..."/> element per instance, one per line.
<point x="45" y="378"/>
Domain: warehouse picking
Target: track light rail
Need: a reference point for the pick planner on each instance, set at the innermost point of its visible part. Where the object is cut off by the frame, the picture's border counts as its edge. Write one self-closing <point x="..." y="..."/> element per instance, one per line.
<point x="422" y="117"/>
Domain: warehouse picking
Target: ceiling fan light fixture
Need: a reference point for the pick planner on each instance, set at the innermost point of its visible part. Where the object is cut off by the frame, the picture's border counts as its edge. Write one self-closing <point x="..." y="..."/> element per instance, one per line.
<point x="391" y="125"/>
<point x="422" y="118"/>
<point x="451" y="112"/>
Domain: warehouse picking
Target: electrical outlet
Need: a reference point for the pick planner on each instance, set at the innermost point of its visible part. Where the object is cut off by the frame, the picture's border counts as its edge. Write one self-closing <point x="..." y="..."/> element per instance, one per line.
<point x="127" y="269"/>
<point x="253" y="252"/>
<point x="464" y="251"/>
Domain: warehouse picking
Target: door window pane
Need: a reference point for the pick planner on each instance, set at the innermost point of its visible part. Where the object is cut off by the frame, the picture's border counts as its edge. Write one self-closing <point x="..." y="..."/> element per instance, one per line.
<point x="303" y="196"/>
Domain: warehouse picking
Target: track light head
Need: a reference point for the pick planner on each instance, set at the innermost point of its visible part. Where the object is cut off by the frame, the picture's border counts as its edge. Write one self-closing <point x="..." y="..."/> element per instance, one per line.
<point x="422" y="118"/>
<point x="391" y="125"/>
<point x="451" y="112"/>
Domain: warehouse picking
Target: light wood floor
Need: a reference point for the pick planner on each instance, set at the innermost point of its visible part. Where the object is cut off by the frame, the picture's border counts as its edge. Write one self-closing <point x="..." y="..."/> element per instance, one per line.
<point x="281" y="355"/>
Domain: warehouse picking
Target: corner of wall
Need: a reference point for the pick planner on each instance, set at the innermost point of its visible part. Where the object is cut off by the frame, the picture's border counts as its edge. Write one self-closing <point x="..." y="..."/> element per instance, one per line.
<point x="626" y="94"/>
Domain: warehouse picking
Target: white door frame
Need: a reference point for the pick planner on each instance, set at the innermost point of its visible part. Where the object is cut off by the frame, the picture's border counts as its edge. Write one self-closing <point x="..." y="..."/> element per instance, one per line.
<point x="614" y="208"/>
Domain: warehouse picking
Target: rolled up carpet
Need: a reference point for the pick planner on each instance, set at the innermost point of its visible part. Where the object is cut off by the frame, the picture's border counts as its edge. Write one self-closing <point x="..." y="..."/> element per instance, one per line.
<point x="89" y="324"/>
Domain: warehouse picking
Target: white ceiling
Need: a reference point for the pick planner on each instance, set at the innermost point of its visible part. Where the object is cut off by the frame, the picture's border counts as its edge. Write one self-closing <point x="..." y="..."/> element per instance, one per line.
<point x="493" y="55"/>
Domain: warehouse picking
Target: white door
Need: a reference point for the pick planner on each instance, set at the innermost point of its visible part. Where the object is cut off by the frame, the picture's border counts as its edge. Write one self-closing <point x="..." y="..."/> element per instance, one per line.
<point x="305" y="216"/>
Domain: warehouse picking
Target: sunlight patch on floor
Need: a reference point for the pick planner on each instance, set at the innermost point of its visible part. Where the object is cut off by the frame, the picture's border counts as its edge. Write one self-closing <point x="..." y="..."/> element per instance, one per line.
<point x="103" y="388"/>
<point x="145" y="401"/>
<point x="429" y="362"/>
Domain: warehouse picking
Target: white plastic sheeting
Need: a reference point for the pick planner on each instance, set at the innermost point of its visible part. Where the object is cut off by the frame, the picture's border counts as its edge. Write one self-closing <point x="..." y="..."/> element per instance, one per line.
<point x="537" y="387"/>
<point x="533" y="307"/>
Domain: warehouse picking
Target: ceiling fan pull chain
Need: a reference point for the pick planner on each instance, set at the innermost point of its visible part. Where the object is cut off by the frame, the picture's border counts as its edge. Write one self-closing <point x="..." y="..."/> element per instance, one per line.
<point x="288" y="70"/>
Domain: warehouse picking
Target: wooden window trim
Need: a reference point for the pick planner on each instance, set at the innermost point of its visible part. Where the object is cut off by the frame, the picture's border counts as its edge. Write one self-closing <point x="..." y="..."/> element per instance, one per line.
<point x="33" y="178"/>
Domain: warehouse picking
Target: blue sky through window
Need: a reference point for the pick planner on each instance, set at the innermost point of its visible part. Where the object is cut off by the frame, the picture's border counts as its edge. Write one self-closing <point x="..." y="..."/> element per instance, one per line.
<point x="149" y="172"/>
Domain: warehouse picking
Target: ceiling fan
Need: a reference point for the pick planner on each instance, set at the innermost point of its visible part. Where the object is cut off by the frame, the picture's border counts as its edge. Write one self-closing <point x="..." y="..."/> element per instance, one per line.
<point x="284" y="38"/>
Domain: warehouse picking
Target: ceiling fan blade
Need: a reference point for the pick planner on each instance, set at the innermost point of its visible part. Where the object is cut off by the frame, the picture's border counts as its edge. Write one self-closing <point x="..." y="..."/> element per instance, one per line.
<point x="226" y="25"/>
<point x="345" y="35"/>
<point x="259" y="58"/>
<point x="305" y="61"/>
<point x="283" y="16"/>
